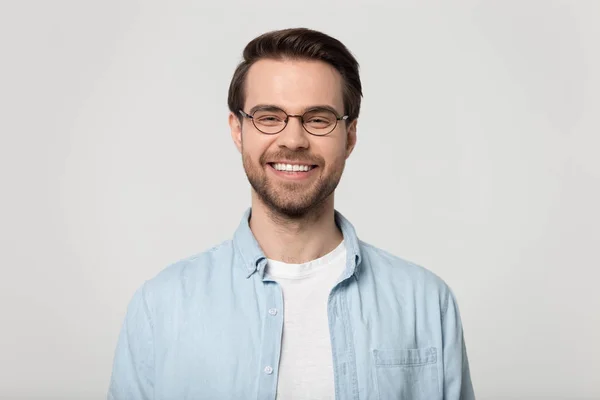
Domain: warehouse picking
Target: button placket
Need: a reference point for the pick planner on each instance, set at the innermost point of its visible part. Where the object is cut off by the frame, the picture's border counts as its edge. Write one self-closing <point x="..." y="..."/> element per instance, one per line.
<point x="270" y="341"/>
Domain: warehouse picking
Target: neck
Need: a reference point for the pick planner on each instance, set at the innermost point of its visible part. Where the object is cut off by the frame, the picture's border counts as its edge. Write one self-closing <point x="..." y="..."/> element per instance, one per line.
<point x="292" y="240"/>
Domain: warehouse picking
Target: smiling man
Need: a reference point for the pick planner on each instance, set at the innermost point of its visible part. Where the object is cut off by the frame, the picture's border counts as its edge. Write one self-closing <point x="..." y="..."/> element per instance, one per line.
<point x="295" y="306"/>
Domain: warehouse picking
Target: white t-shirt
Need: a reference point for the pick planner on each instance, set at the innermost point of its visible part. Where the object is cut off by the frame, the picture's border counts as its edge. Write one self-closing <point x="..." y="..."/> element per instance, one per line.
<point x="306" y="365"/>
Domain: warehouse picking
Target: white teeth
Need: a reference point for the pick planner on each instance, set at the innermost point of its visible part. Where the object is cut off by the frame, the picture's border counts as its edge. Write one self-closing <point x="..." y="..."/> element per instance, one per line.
<point x="292" y="168"/>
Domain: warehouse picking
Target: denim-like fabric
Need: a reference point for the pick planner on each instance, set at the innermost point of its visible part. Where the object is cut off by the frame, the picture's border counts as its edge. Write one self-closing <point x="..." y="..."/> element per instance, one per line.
<point x="206" y="328"/>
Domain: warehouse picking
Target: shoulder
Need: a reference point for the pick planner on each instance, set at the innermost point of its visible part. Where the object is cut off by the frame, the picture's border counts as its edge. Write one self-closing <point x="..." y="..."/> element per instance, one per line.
<point x="383" y="266"/>
<point x="190" y="271"/>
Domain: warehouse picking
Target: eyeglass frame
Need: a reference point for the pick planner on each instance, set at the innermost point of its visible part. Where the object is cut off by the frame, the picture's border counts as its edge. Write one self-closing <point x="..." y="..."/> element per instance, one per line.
<point x="287" y="119"/>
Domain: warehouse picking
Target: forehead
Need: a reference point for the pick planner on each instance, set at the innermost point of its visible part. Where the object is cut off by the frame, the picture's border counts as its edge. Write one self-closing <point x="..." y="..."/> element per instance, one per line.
<point x="293" y="85"/>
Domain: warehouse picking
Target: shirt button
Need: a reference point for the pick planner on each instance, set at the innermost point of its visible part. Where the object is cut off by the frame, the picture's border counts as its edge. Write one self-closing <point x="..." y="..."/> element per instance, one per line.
<point x="273" y="311"/>
<point x="268" y="370"/>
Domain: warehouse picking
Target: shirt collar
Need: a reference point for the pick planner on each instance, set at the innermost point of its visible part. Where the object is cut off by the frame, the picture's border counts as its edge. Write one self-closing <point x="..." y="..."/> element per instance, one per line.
<point x="253" y="258"/>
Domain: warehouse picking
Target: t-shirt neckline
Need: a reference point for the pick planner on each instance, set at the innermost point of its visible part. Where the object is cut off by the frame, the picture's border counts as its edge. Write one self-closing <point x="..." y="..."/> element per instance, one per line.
<point x="280" y="269"/>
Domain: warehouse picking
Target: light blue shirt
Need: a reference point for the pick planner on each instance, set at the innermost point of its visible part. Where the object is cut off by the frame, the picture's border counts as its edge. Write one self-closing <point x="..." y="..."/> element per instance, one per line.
<point x="207" y="327"/>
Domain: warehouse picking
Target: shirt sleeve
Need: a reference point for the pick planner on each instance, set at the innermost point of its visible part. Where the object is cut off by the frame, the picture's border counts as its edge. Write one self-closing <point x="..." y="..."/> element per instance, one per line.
<point x="133" y="366"/>
<point x="457" y="377"/>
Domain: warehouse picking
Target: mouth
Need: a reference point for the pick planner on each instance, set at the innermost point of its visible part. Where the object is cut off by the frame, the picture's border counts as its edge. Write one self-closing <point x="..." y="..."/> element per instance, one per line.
<point x="283" y="167"/>
<point x="292" y="171"/>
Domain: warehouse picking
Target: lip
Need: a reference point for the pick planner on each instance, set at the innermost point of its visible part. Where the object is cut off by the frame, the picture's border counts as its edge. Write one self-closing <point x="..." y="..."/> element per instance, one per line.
<point x="292" y="176"/>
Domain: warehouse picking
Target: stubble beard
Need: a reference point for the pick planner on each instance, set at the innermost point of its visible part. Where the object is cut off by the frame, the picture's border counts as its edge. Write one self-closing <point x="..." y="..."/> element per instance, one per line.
<point x="292" y="200"/>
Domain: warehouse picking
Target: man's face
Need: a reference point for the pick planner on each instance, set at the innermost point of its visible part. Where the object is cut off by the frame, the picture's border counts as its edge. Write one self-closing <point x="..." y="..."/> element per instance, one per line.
<point x="293" y="86"/>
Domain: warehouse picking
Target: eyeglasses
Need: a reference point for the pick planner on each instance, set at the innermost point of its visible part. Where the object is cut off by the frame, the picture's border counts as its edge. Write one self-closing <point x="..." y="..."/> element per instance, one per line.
<point x="272" y="120"/>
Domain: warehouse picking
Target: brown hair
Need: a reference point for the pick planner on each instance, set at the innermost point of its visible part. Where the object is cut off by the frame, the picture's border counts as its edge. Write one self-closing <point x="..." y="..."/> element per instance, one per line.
<point x="299" y="43"/>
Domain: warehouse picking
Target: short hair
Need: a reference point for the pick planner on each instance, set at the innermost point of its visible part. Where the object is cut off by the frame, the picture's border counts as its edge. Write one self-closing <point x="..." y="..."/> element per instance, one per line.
<point x="299" y="43"/>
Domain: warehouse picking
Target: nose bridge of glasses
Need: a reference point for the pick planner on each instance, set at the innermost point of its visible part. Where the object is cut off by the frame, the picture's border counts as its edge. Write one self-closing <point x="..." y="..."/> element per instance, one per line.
<point x="300" y="119"/>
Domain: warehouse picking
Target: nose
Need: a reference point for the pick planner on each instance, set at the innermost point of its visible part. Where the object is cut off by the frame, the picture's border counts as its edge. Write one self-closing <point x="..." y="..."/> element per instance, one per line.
<point x="293" y="136"/>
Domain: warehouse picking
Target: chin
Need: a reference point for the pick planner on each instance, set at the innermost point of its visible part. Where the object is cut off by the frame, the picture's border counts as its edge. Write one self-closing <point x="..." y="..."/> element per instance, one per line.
<point x="290" y="210"/>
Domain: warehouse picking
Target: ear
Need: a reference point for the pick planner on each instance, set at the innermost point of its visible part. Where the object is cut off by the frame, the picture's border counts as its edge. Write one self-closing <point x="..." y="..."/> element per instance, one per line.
<point x="351" y="138"/>
<point x="236" y="130"/>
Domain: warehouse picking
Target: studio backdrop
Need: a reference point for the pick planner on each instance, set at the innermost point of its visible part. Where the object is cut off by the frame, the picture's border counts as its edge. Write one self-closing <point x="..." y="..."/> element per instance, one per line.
<point x="477" y="158"/>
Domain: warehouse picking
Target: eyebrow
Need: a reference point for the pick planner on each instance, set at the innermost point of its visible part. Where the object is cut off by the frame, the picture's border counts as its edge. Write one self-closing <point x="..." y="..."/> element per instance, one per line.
<point x="272" y="107"/>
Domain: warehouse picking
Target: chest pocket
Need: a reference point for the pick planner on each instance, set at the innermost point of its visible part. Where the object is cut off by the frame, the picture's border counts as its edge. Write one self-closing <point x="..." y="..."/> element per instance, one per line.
<point x="407" y="374"/>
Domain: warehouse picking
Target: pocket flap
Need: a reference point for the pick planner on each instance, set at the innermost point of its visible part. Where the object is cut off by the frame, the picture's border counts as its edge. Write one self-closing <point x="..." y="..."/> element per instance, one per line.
<point x="426" y="355"/>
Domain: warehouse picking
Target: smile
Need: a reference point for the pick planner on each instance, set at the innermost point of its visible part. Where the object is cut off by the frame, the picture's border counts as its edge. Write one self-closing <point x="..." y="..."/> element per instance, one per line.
<point x="294" y="172"/>
<point x="291" y="167"/>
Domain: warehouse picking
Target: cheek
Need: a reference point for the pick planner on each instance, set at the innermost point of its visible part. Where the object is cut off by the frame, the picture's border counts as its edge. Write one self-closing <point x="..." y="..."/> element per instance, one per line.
<point x="254" y="147"/>
<point x="334" y="154"/>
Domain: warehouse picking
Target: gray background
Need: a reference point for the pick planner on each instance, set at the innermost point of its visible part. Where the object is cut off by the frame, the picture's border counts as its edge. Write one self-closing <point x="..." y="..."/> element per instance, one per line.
<point x="477" y="158"/>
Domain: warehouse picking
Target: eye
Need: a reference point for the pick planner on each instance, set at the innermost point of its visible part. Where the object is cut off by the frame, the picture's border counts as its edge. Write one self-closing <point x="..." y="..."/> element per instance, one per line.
<point x="269" y="118"/>
<point x="319" y="118"/>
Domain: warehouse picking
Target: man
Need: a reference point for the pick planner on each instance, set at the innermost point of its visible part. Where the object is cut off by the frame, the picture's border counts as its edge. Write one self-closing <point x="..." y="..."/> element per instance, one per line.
<point x="294" y="306"/>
